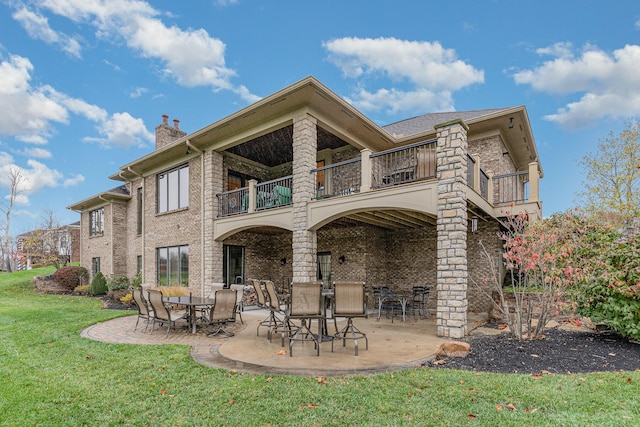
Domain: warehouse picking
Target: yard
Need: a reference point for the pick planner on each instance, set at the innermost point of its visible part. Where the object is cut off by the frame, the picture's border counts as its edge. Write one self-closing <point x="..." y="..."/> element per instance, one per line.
<point x="52" y="376"/>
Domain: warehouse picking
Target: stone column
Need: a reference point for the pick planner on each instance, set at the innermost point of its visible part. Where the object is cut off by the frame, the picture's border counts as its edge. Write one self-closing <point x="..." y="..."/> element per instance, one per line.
<point x="214" y="176"/>
<point x="452" y="229"/>
<point x="305" y="143"/>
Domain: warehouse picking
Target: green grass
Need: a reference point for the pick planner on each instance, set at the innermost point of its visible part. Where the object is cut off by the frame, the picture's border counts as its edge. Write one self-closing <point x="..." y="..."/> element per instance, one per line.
<point x="51" y="376"/>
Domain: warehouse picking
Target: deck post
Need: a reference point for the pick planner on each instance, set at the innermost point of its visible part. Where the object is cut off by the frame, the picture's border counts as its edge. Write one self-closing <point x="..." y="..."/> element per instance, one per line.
<point x="365" y="170"/>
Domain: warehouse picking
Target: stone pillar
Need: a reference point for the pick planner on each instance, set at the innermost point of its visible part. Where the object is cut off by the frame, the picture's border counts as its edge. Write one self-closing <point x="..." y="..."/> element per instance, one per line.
<point x="452" y="229"/>
<point x="214" y="174"/>
<point x="534" y="182"/>
<point x="365" y="170"/>
<point x="305" y="143"/>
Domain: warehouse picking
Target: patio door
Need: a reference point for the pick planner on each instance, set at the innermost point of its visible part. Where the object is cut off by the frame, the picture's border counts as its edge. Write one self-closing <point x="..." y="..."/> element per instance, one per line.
<point x="324" y="269"/>
<point x="233" y="264"/>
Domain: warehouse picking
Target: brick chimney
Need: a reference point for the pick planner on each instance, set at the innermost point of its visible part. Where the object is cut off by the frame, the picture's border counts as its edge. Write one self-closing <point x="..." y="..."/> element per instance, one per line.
<point x="166" y="134"/>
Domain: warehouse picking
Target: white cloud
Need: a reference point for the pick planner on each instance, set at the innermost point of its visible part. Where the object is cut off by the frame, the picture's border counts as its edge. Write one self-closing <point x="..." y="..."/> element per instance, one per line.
<point x="609" y="83"/>
<point x="39" y="153"/>
<point x="431" y="71"/>
<point x="122" y="130"/>
<point x="73" y="181"/>
<point x="37" y="26"/>
<point x="192" y="57"/>
<point x="29" y="112"/>
<point x="138" y="92"/>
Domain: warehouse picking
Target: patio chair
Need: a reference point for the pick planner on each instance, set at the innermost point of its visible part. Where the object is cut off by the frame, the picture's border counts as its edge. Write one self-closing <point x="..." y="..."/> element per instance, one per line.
<point x="388" y="302"/>
<point x="276" y="323"/>
<point x="162" y="312"/>
<point x="143" y="308"/>
<point x="239" y="298"/>
<point x="223" y="311"/>
<point x="209" y="292"/>
<point x="350" y="301"/>
<point x="420" y="300"/>
<point x="305" y="305"/>
<point x="261" y="302"/>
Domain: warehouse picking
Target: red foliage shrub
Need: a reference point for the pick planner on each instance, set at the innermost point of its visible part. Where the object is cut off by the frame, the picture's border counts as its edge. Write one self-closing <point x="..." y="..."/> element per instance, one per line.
<point x="70" y="276"/>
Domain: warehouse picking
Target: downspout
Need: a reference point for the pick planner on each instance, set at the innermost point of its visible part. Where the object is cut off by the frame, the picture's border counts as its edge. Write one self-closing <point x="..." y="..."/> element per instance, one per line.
<point x="143" y="246"/>
<point x="202" y="211"/>
<point x="111" y="225"/>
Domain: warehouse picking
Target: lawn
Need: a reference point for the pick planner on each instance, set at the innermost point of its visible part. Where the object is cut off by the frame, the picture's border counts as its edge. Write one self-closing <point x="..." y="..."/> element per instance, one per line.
<point x="50" y="376"/>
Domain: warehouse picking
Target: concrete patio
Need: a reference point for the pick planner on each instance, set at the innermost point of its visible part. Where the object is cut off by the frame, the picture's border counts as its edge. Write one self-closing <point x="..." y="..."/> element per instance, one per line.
<point x="392" y="346"/>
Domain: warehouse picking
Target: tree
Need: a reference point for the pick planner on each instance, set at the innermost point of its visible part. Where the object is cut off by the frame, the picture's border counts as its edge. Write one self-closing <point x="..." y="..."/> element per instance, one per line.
<point x="51" y="243"/>
<point x="612" y="187"/>
<point x="15" y="179"/>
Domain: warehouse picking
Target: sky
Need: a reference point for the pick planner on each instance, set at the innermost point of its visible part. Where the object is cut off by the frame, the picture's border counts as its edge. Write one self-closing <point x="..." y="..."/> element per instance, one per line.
<point x="84" y="83"/>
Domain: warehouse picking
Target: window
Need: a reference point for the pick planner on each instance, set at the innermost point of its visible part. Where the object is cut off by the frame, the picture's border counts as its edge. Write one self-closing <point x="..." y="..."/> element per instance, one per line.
<point x="173" y="189"/>
<point x="173" y="266"/>
<point x="320" y="175"/>
<point x="95" y="265"/>
<point x="139" y="222"/>
<point x="324" y="268"/>
<point x="139" y="264"/>
<point x="233" y="264"/>
<point x="96" y="222"/>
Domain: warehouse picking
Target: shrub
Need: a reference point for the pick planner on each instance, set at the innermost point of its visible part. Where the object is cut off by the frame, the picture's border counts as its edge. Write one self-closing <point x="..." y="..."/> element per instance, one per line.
<point x="127" y="299"/>
<point x="70" y="277"/>
<point x="82" y="289"/>
<point x="98" y="285"/>
<point x="610" y="292"/>
<point x="115" y="283"/>
<point x="136" y="281"/>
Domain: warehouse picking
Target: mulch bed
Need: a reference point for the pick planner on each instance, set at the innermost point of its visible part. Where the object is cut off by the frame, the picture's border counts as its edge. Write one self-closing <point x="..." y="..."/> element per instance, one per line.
<point x="560" y="352"/>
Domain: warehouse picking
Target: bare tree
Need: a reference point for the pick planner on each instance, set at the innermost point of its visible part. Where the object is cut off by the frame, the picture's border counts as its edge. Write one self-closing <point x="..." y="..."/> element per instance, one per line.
<point x="51" y="243"/>
<point x="16" y="178"/>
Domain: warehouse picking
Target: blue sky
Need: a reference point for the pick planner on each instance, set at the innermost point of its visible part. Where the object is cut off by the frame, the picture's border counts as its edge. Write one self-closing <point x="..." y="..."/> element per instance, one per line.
<point x="83" y="83"/>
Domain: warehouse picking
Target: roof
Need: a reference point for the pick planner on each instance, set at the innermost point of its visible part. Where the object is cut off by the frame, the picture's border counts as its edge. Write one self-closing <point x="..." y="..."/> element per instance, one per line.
<point x="427" y="122"/>
<point x="119" y="193"/>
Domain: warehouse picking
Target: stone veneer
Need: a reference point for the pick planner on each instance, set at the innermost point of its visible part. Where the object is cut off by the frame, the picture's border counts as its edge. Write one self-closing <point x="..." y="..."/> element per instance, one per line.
<point x="452" y="229"/>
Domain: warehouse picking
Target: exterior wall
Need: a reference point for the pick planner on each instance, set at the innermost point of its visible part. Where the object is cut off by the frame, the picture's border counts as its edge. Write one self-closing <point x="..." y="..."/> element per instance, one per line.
<point x="132" y="239"/>
<point x="175" y="228"/>
<point x="99" y="246"/>
<point x="120" y="230"/>
<point x="166" y="134"/>
<point x="479" y="267"/>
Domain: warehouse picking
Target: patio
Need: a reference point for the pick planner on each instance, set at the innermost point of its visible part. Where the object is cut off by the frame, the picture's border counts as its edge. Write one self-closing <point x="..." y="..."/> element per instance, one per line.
<point x="392" y="346"/>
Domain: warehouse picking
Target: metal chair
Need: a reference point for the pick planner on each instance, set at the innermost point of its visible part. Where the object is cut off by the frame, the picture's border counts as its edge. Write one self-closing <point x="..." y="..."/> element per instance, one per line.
<point x="223" y="311"/>
<point x="161" y="312"/>
<point x="350" y="301"/>
<point x="420" y="301"/>
<point x="276" y="323"/>
<point x="143" y="309"/>
<point x="261" y="302"/>
<point x="239" y="299"/>
<point x="305" y="305"/>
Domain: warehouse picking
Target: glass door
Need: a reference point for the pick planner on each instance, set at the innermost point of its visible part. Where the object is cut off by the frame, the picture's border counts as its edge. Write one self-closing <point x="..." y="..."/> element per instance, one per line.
<point x="324" y="269"/>
<point x="233" y="264"/>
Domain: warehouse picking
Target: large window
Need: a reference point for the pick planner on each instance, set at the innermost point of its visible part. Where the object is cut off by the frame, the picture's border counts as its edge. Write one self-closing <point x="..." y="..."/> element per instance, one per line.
<point x="173" y="266"/>
<point x="173" y="189"/>
<point x="96" y="222"/>
<point x="95" y="265"/>
<point x="233" y="264"/>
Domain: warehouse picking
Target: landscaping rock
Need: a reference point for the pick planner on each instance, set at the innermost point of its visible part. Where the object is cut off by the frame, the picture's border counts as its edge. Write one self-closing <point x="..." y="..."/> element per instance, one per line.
<point x="453" y="349"/>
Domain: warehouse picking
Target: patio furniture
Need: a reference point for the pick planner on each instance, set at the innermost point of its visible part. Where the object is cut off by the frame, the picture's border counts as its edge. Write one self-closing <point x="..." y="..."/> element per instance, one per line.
<point x="193" y="305"/>
<point x="161" y="312"/>
<point x="420" y="300"/>
<point x="276" y="323"/>
<point x="261" y="303"/>
<point x="143" y="308"/>
<point x="305" y="305"/>
<point x="223" y="311"/>
<point x="239" y="295"/>
<point x="350" y="301"/>
<point x="389" y="302"/>
<point x="209" y="292"/>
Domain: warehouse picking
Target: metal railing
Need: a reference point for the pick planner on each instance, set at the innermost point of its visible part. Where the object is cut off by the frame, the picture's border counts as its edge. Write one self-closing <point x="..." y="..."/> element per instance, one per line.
<point x="484" y="184"/>
<point x="511" y="188"/>
<point x="404" y="164"/>
<point x="233" y="202"/>
<point x="274" y="193"/>
<point x="471" y="166"/>
<point x="338" y="179"/>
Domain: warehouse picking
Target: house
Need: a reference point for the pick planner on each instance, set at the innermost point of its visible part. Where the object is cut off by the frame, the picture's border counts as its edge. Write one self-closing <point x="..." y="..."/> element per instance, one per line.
<point x="61" y="244"/>
<point x="302" y="186"/>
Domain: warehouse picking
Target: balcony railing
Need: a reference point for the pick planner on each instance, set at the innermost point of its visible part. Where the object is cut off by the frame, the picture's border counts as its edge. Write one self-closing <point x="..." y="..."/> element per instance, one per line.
<point x="233" y="202"/>
<point x="275" y="193"/>
<point x="471" y="167"/>
<point x="511" y="188"/>
<point x="405" y="164"/>
<point x="338" y="179"/>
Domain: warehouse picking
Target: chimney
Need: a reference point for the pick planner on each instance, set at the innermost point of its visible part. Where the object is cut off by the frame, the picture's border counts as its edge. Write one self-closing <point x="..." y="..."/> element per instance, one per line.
<point x="166" y="134"/>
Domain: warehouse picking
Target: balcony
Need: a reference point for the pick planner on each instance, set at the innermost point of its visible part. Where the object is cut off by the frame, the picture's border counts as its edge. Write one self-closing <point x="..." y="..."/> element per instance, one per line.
<point x="402" y="166"/>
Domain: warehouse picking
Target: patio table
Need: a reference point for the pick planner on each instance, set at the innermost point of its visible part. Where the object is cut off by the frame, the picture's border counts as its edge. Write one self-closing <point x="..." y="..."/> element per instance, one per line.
<point x="191" y="303"/>
<point x="401" y="296"/>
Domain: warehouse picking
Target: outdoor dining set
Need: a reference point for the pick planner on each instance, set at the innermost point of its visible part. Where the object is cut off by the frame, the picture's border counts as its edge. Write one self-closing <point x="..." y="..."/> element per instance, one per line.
<point x="291" y="310"/>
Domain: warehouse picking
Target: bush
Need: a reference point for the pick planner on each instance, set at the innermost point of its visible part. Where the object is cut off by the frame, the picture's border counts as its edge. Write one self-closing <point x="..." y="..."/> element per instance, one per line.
<point x="115" y="283"/>
<point x="82" y="289"/>
<point x="136" y="281"/>
<point x="127" y="299"/>
<point x="610" y="293"/>
<point x="70" y="277"/>
<point x="98" y="285"/>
